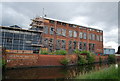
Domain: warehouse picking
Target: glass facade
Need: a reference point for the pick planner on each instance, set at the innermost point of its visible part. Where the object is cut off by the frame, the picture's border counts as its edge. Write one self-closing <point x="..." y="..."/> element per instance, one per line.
<point x="19" y="40"/>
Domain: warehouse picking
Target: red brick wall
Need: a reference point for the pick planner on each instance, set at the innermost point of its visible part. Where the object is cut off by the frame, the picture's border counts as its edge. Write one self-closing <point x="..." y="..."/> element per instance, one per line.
<point x="24" y="60"/>
<point x="16" y="60"/>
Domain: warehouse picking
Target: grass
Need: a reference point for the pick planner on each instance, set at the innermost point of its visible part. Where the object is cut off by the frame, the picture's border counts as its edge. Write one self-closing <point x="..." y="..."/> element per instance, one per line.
<point x="107" y="73"/>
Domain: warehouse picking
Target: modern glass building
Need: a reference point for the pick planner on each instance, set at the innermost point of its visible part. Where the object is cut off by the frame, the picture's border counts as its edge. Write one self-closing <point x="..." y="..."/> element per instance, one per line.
<point x="16" y="38"/>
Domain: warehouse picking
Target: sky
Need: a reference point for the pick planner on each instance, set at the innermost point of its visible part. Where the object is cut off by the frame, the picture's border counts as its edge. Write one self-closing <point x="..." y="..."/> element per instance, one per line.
<point x="100" y="15"/>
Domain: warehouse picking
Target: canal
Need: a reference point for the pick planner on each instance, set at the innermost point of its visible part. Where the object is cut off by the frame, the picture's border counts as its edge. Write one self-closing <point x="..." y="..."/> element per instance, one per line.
<point x="53" y="72"/>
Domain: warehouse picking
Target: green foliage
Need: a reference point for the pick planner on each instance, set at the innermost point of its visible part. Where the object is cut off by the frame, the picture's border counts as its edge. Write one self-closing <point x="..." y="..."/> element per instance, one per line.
<point x="61" y="52"/>
<point x="76" y="51"/>
<point x="106" y="73"/>
<point x="84" y="52"/>
<point x="111" y="58"/>
<point x="65" y="61"/>
<point x="44" y="52"/>
<point x="90" y="57"/>
<point x="81" y="60"/>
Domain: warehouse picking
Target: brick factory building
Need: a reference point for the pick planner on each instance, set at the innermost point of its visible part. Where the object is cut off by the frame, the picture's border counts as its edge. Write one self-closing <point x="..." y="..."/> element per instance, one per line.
<point x="52" y="35"/>
<point x="59" y="34"/>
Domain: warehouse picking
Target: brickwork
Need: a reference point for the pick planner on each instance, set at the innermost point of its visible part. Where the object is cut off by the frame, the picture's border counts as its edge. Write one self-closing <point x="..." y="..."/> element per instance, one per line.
<point x="56" y="24"/>
<point x="31" y="60"/>
<point x="19" y="60"/>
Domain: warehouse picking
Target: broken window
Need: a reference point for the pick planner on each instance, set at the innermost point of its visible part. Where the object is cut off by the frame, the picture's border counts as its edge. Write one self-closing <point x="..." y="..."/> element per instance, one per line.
<point x="50" y="45"/>
<point x="84" y="46"/>
<point x="51" y="21"/>
<point x="70" y="33"/>
<point x="58" y="44"/>
<point x="81" y="35"/>
<point x="70" y="25"/>
<point x="64" y="24"/>
<point x="63" y="44"/>
<point x="75" y="33"/>
<point x="51" y="30"/>
<point x="58" y="31"/>
<point x="45" y="30"/>
<point x="45" y="42"/>
<point x="74" y="45"/>
<point x="70" y="47"/>
<point x="64" y="32"/>
<point x="80" y="46"/>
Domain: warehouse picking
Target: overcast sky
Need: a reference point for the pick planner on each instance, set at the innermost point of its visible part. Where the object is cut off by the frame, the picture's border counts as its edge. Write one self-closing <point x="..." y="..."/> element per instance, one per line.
<point x="100" y="15"/>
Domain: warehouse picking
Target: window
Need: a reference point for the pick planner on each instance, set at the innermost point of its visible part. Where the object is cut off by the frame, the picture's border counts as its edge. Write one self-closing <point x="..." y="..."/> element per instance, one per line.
<point x="51" y="31"/>
<point x="74" y="45"/>
<point x="97" y="36"/>
<point x="84" y="36"/>
<point x="70" y="44"/>
<point x="75" y="34"/>
<point x="58" y="31"/>
<point x="101" y="38"/>
<point x="81" y="35"/>
<point x="70" y="33"/>
<point x="58" y="44"/>
<point x="90" y="36"/>
<point x="46" y="30"/>
<point x="80" y="46"/>
<point x="51" y="21"/>
<point x="93" y="36"/>
<point x="84" y="46"/>
<point x="45" y="42"/>
<point x="64" y="24"/>
<point x="64" y="32"/>
<point x="70" y="25"/>
<point x="63" y="44"/>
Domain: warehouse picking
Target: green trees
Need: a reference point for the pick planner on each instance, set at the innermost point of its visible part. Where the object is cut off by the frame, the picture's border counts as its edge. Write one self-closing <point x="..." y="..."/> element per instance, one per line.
<point x="111" y="59"/>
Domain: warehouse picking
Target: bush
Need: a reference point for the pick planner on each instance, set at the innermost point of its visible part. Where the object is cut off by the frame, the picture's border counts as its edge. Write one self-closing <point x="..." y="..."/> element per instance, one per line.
<point x="44" y="52"/>
<point x="84" y="52"/>
<point x="90" y="57"/>
<point x="65" y="61"/>
<point x="61" y="52"/>
<point x="81" y="60"/>
<point x="111" y="58"/>
<point x="76" y="51"/>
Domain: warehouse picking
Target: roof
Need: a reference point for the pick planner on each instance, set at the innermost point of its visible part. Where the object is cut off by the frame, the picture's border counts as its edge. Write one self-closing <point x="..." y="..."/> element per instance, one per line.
<point x="16" y="28"/>
<point x="68" y="22"/>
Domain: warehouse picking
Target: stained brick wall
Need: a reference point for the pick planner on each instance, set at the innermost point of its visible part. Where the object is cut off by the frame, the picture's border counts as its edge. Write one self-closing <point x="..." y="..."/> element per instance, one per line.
<point x="18" y="60"/>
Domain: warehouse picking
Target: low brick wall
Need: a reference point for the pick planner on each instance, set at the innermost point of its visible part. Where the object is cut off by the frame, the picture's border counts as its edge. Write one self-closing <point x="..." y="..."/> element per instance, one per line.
<point x="104" y="58"/>
<point x="31" y="60"/>
<point x="28" y="60"/>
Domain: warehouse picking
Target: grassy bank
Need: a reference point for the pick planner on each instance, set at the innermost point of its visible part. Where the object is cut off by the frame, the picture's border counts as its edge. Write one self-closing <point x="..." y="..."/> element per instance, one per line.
<point x="107" y="73"/>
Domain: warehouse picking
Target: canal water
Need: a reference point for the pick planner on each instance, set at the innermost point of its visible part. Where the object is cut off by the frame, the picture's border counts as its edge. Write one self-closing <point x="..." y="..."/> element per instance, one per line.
<point x="53" y="72"/>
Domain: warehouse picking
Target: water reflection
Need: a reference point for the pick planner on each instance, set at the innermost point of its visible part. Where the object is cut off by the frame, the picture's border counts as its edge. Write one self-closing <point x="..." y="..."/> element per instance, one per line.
<point x="52" y="72"/>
